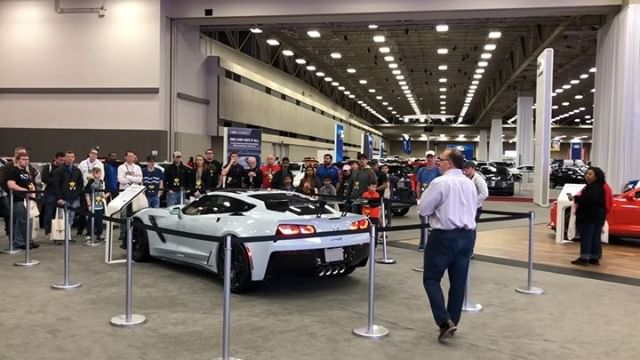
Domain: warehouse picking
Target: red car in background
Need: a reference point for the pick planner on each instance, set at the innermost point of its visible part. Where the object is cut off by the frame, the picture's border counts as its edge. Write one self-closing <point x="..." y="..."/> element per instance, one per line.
<point x="624" y="218"/>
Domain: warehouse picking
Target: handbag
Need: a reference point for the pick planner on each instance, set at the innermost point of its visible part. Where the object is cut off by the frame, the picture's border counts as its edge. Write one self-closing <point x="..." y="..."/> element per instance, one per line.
<point x="58" y="226"/>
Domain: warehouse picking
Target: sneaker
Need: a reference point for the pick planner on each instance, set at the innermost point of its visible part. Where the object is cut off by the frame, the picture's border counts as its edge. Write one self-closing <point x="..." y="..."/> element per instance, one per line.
<point x="580" y="261"/>
<point x="34" y="245"/>
<point x="447" y="330"/>
<point x="594" y="261"/>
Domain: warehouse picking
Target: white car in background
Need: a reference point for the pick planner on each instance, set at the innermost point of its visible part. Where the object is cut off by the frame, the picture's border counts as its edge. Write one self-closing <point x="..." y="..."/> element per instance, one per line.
<point x="278" y="214"/>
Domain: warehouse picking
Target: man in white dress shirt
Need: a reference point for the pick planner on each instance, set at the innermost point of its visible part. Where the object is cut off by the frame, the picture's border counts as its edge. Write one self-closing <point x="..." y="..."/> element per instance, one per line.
<point x="129" y="173"/>
<point x="86" y="168"/>
<point x="481" y="185"/>
<point x="450" y="203"/>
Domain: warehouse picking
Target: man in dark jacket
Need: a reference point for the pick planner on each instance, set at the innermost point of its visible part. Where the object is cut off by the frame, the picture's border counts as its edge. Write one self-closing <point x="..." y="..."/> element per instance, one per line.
<point x="213" y="167"/>
<point x="236" y="175"/>
<point x="360" y="180"/>
<point x="69" y="185"/>
<point x="175" y="179"/>
<point x="278" y="177"/>
<point x="111" y="174"/>
<point x="49" y="201"/>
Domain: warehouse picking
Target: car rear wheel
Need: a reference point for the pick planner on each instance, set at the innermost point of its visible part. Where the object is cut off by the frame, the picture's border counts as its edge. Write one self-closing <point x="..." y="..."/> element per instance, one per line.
<point x="140" y="244"/>
<point x="240" y="269"/>
<point x="400" y="212"/>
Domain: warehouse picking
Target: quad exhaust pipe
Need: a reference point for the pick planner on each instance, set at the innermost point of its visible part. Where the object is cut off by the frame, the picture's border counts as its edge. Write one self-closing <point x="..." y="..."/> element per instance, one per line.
<point x="328" y="270"/>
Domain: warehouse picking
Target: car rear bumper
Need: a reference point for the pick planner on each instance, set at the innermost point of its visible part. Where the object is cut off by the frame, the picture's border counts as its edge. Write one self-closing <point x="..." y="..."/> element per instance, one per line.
<point x="310" y="260"/>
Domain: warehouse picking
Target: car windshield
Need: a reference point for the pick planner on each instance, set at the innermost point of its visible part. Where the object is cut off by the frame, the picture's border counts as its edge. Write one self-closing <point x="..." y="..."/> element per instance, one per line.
<point x="291" y="202"/>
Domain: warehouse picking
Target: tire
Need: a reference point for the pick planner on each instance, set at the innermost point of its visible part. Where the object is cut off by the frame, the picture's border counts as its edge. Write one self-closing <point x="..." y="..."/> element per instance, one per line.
<point x="140" y="244"/>
<point x="240" y="269"/>
<point x="400" y="212"/>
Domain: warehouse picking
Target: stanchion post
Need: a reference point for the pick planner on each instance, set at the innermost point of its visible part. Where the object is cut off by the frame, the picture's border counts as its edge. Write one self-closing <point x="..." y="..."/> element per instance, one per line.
<point x="468" y="306"/>
<point x="181" y="195"/>
<point x="66" y="283"/>
<point x="384" y="259"/>
<point x="92" y="239"/>
<point x="128" y="319"/>
<point x="371" y="330"/>
<point x="11" y="250"/>
<point x="226" y="319"/>
<point x="27" y="239"/>
<point x="530" y="289"/>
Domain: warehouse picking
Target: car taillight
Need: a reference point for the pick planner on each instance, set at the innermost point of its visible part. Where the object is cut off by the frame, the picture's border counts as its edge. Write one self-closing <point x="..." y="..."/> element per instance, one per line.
<point x="360" y="224"/>
<point x="293" y="229"/>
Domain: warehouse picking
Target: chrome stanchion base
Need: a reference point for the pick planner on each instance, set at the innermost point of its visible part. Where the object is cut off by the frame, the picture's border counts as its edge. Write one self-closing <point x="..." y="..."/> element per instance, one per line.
<point x="11" y="252"/>
<point x="121" y="320"/>
<point x="69" y="285"/>
<point x="418" y="268"/>
<point x="376" y="333"/>
<point x="472" y="308"/>
<point x="531" y="291"/>
<point x="230" y="358"/>
<point x="385" y="261"/>
<point x="31" y="263"/>
<point x="92" y="243"/>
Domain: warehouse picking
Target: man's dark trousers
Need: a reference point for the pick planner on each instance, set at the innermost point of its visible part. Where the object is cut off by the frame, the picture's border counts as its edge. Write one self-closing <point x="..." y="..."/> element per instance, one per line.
<point x="447" y="250"/>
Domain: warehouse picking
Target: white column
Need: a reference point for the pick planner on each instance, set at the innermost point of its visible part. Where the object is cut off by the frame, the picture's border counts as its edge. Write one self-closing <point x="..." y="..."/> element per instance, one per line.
<point x="524" y="131"/>
<point x="495" y="140"/>
<point x="483" y="151"/>
<point x="616" y="125"/>
<point x="544" y="86"/>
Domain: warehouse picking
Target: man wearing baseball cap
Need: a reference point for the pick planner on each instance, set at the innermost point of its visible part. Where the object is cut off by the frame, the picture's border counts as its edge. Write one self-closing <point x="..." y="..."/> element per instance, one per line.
<point x="424" y="176"/>
<point x="175" y="179"/>
<point x="469" y="170"/>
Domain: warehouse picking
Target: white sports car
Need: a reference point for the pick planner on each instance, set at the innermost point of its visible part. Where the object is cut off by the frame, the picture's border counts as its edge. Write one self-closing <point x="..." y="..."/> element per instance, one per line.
<point x="255" y="213"/>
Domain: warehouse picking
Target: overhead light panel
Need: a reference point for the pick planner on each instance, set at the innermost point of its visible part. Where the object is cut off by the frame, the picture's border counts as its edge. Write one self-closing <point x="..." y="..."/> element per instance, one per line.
<point x="363" y="82"/>
<point x="396" y="72"/>
<point x="385" y="103"/>
<point x="442" y="80"/>
<point x="592" y="70"/>
<point x="477" y="76"/>
<point x="336" y="55"/>
<point x="485" y="56"/>
<point x="385" y="50"/>
<point x="402" y="83"/>
<point x="400" y="77"/>
<point x="443" y="89"/>
<point x="287" y="52"/>
<point x="372" y="90"/>
<point x="479" y="71"/>
<point x="351" y="96"/>
<point x="442" y="67"/>
<point x="301" y="61"/>
<point x="443" y="51"/>
<point x="373" y="26"/>
<point x="578" y="97"/>
<point x="379" y="38"/>
<point x="443" y="103"/>
<point x="346" y="92"/>
<point x="328" y="79"/>
<point x="475" y="82"/>
<point x="393" y="66"/>
<point x="378" y="97"/>
<point x="574" y="82"/>
<point x="256" y="30"/>
<point x="320" y="74"/>
<point x="313" y="34"/>
<point x="584" y="76"/>
<point x="351" y="70"/>
<point x="473" y="87"/>
<point x="490" y="47"/>
<point x="389" y="58"/>
<point x="335" y="83"/>
<point x="404" y="87"/>
<point x="442" y="28"/>
<point x="483" y="63"/>
<point x="311" y="68"/>
<point x="273" y="42"/>
<point x="495" y="35"/>
<point x="566" y="87"/>
<point x="443" y="96"/>
<point x="565" y="103"/>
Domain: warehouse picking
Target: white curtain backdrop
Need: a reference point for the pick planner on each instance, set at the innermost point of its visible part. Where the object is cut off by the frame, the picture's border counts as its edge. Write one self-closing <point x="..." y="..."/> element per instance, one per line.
<point x="495" y="140"/>
<point x="524" y="131"/>
<point x="616" y="129"/>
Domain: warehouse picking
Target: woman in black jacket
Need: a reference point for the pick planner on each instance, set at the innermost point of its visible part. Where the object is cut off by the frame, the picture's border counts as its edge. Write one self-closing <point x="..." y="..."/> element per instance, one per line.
<point x="591" y="214"/>
<point x="200" y="181"/>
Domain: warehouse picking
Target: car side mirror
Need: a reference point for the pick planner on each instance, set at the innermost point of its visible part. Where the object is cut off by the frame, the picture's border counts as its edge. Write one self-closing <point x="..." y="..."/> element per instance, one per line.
<point x="176" y="210"/>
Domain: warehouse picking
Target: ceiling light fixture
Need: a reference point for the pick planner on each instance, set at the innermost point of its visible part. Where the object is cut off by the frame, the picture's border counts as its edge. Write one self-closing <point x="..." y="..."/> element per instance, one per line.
<point x="483" y="63"/>
<point x="311" y="68"/>
<point x="475" y="82"/>
<point x="385" y="50"/>
<point x="473" y="87"/>
<point x="443" y="96"/>
<point x="273" y="42"/>
<point x="373" y="26"/>
<point x="578" y="97"/>
<point x="574" y="82"/>
<point x="256" y="30"/>
<point x="301" y="61"/>
<point x="351" y="70"/>
<point x="592" y="70"/>
<point x="396" y="72"/>
<point x="393" y="66"/>
<point x="400" y="77"/>
<point x="404" y="87"/>
<point x="485" y="56"/>
<point x="389" y="58"/>
<point x="584" y="76"/>
<point x="379" y="38"/>
<point x="346" y="92"/>
<point x="442" y="28"/>
<point x="443" y="51"/>
<point x="443" y="67"/>
<point x="351" y="96"/>
<point x="479" y="71"/>
<point x="443" y="89"/>
<point x="443" y="103"/>
<point x="477" y="76"/>
<point x="363" y="82"/>
<point x="335" y="83"/>
<point x="495" y="35"/>
<point x="372" y="90"/>
<point x="566" y="87"/>
<point x="313" y="34"/>
<point x="402" y="83"/>
<point x="328" y="79"/>
<point x="442" y="80"/>
<point x="490" y="47"/>
<point x="336" y="55"/>
<point x="320" y="74"/>
<point x="565" y="103"/>
<point x="287" y="52"/>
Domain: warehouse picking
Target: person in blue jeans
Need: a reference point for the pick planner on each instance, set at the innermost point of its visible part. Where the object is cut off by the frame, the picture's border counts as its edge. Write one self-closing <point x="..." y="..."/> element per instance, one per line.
<point x="152" y="179"/>
<point x="450" y="204"/>
<point x="19" y="181"/>
<point x="424" y="176"/>
<point x="175" y="179"/>
<point x="96" y="185"/>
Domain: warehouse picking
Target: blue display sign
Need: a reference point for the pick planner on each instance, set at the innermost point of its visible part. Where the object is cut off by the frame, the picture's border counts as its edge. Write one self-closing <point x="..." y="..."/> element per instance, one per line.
<point x="466" y="149"/>
<point x="406" y="144"/>
<point x="339" y="142"/>
<point x="247" y="142"/>
<point x="576" y="151"/>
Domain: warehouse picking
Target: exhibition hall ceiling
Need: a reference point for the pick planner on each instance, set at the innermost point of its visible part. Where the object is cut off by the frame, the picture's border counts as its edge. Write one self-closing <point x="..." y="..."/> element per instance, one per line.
<point x="459" y="74"/>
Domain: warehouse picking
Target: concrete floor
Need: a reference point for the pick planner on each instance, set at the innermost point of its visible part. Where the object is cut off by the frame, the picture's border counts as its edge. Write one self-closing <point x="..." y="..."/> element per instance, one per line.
<point x="304" y="318"/>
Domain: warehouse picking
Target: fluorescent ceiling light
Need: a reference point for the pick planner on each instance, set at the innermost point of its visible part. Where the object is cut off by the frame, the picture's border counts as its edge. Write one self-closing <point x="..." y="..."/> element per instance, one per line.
<point x="475" y="82"/>
<point x="313" y="34"/>
<point x="378" y="97"/>
<point x="402" y="83"/>
<point x="483" y="63"/>
<point x="341" y="88"/>
<point x="404" y="87"/>
<point x="584" y="76"/>
<point x="443" y="89"/>
<point x="393" y="66"/>
<point x="351" y="96"/>
<point x="396" y="72"/>
<point x="485" y="56"/>
<point x="287" y="52"/>
<point x="385" y="50"/>
<point x="394" y="112"/>
<point x="372" y="90"/>
<point x="407" y="91"/>
<point x="471" y="91"/>
<point x="553" y="94"/>
<point x="577" y="120"/>
<point x="490" y="47"/>
<point x="443" y="112"/>
<point x="443" y="108"/>
<point x="373" y="26"/>
<point x="443" y="96"/>
<point x="555" y="107"/>
<point x="565" y="103"/>
<point x="574" y="82"/>
<point x="336" y="55"/>
<point x="592" y="70"/>
<point x="320" y="74"/>
<point x="273" y="42"/>
<point x="256" y="30"/>
<point x="587" y="116"/>
<point x="389" y="108"/>
<point x="582" y="109"/>
<point x="328" y="79"/>
<point x="389" y="58"/>
<point x="477" y="76"/>
<point x="559" y="91"/>
<point x="311" y="68"/>
<point x="578" y="97"/>
<point x="301" y="61"/>
<point x="400" y="77"/>
<point x="495" y="35"/>
<point x="379" y="38"/>
<point x="442" y="28"/>
<point x="443" y="103"/>
<point x="351" y="70"/>
<point x="346" y="92"/>
<point x="443" y="51"/>
<point x="363" y="82"/>
<point x="442" y="80"/>
<point x="385" y="103"/>
<point x="335" y="83"/>
<point x="360" y="102"/>
<point x="566" y="87"/>
<point x="473" y="87"/>
<point x="443" y="67"/>
<point x="479" y="71"/>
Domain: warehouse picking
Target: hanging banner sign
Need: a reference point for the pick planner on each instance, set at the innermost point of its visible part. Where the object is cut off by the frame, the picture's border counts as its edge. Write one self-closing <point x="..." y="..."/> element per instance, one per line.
<point x="339" y="142"/>
<point x="406" y="144"/>
<point x="247" y="142"/>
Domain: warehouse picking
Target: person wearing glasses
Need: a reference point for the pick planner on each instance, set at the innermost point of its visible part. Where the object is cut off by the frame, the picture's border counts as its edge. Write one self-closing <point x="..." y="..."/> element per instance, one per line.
<point x="450" y="204"/>
<point x="86" y="167"/>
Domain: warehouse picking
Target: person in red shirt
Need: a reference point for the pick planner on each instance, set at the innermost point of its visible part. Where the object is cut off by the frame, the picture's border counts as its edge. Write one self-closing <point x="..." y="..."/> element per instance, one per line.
<point x="268" y="170"/>
<point x="372" y="209"/>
